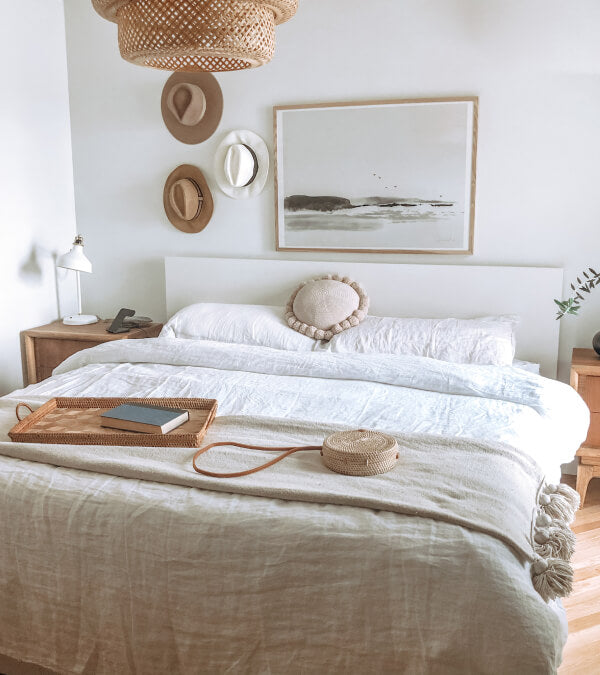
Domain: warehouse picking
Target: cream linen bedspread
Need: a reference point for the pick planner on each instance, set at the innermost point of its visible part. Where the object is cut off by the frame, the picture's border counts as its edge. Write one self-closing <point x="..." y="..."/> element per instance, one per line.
<point x="105" y="574"/>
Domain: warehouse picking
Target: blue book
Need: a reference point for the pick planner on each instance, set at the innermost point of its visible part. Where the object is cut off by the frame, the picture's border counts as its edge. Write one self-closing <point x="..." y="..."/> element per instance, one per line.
<point x="146" y="418"/>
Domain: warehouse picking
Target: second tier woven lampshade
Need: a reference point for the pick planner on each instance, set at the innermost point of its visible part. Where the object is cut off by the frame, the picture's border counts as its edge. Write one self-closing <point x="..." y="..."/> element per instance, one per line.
<point x="192" y="35"/>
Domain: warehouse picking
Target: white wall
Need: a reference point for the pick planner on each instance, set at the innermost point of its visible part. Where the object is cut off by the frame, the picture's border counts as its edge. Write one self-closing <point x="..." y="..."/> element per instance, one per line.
<point x="37" y="211"/>
<point x="535" y="64"/>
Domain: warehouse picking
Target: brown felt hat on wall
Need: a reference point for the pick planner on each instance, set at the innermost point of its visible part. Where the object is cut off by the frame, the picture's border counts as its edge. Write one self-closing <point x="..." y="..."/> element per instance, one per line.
<point x="192" y="105"/>
<point x="187" y="199"/>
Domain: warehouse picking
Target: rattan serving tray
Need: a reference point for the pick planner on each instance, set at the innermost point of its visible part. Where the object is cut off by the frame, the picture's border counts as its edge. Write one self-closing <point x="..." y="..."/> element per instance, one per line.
<point x="76" y="421"/>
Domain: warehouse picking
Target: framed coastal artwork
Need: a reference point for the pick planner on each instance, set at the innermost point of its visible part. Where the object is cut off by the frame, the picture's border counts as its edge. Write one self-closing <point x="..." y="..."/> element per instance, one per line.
<point x="377" y="177"/>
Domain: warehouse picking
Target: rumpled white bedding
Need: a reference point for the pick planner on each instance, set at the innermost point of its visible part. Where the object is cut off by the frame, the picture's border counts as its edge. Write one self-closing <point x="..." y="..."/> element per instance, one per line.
<point x="543" y="417"/>
<point x="106" y="574"/>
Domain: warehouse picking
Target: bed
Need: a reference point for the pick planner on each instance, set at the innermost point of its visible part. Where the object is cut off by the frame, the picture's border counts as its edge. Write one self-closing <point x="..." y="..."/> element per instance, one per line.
<point x="137" y="564"/>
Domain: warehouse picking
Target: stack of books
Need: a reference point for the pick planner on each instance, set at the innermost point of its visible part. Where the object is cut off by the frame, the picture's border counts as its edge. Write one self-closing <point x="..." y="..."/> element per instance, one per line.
<point x="149" y="419"/>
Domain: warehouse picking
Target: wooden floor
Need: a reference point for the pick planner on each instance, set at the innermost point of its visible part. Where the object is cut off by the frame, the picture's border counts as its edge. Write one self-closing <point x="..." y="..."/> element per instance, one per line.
<point x="582" y="653"/>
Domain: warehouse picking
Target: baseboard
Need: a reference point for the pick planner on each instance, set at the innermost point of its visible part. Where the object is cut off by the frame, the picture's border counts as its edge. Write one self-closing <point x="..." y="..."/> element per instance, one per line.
<point x="570" y="468"/>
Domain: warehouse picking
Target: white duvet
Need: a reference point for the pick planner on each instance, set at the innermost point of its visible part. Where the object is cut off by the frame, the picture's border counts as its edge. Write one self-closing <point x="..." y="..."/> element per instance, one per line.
<point x="545" y="418"/>
<point x="146" y="562"/>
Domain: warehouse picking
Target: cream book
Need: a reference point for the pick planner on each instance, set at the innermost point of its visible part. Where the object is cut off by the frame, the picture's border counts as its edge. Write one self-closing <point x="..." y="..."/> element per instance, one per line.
<point x="149" y="419"/>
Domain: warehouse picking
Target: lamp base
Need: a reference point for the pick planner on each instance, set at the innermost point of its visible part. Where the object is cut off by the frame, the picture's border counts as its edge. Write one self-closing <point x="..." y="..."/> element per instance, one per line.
<point x="80" y="319"/>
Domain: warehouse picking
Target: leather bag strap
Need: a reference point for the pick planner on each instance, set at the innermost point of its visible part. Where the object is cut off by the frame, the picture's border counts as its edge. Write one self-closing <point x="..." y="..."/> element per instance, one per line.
<point x="285" y="452"/>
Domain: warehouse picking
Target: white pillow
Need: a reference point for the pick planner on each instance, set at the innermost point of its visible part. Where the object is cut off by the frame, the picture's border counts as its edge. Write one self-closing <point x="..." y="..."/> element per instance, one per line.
<point x="527" y="365"/>
<point x="262" y="325"/>
<point x="485" y="341"/>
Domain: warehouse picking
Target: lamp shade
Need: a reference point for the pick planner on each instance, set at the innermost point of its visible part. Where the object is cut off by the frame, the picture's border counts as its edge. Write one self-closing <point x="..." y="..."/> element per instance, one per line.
<point x="197" y="35"/>
<point x="75" y="259"/>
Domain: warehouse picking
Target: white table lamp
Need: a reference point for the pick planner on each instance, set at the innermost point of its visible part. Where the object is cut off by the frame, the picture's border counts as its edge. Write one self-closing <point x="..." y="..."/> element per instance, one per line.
<point x="76" y="260"/>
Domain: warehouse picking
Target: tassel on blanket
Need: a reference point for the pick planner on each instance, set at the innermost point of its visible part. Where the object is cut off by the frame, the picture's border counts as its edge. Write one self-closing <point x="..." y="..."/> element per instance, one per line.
<point x="557" y="506"/>
<point x="564" y="491"/>
<point x="557" y="541"/>
<point x="543" y="520"/>
<point x="552" y="578"/>
<point x="553" y="541"/>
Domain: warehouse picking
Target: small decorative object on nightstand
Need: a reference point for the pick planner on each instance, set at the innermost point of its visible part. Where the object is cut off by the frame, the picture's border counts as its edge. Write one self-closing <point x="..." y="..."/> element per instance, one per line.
<point x="585" y="379"/>
<point x="47" y="346"/>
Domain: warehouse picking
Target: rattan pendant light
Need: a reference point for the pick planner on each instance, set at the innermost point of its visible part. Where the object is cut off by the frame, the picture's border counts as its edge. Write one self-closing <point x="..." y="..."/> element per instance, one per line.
<point x="192" y="35"/>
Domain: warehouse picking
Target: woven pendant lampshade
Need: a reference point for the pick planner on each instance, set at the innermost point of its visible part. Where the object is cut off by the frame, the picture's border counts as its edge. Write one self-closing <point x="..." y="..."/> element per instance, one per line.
<point x="197" y="35"/>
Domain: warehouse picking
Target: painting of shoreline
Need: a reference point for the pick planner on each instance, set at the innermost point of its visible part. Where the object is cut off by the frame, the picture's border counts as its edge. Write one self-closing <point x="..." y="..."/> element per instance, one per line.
<point x="414" y="161"/>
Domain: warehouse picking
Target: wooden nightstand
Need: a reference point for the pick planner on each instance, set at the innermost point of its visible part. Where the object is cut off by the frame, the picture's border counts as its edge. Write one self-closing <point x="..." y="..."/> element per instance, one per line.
<point x="585" y="379"/>
<point x="47" y="346"/>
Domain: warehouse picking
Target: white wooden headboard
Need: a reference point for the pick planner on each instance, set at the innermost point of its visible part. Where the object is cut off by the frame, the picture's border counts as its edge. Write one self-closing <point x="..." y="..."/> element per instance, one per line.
<point x="461" y="291"/>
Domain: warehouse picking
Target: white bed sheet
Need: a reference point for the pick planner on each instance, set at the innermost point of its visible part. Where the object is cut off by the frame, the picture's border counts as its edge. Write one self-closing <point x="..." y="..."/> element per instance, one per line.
<point x="415" y="595"/>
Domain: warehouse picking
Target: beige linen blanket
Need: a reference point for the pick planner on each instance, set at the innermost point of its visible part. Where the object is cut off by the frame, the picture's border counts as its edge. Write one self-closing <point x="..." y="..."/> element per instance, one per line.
<point x="496" y="492"/>
<point x="104" y="574"/>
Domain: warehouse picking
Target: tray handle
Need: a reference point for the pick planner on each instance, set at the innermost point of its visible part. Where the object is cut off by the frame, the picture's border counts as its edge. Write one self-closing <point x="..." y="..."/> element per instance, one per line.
<point x="17" y="410"/>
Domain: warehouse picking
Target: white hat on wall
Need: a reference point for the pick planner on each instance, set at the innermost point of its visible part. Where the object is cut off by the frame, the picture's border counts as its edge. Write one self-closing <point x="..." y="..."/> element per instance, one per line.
<point x="242" y="164"/>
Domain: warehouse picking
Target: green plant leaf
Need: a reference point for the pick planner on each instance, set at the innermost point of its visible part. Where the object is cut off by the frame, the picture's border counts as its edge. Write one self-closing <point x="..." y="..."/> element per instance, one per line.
<point x="573" y="304"/>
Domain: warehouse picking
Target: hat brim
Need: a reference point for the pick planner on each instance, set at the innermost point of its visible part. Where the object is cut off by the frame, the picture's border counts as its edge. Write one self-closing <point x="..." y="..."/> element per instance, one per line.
<point x="261" y="152"/>
<point x="200" y="221"/>
<point x="207" y="126"/>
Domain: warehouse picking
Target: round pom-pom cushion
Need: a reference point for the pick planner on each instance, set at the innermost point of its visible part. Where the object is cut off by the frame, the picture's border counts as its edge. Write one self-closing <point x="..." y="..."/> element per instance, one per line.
<point x="323" y="307"/>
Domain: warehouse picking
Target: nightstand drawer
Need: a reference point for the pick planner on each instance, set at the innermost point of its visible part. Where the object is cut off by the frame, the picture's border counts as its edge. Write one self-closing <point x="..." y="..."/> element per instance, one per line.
<point x="585" y="378"/>
<point x="589" y="389"/>
<point x="45" y="347"/>
<point x="49" y="353"/>
<point x="593" y="437"/>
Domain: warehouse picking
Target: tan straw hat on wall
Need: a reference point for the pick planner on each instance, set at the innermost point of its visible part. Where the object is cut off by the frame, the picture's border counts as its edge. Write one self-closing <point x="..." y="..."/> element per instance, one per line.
<point x="192" y="105"/>
<point x="187" y="199"/>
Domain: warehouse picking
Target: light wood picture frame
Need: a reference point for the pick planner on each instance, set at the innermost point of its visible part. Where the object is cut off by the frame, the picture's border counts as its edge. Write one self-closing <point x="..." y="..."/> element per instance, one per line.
<point x="392" y="176"/>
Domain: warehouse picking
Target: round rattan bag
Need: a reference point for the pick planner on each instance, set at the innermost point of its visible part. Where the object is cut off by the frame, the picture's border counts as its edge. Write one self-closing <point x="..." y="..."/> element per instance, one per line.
<point x="360" y="452"/>
<point x="354" y="453"/>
